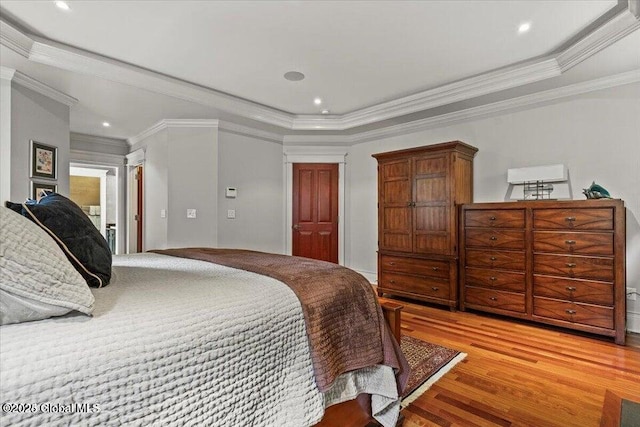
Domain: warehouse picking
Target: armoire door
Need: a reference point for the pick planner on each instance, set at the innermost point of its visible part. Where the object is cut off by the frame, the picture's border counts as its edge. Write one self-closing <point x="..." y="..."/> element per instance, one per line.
<point x="431" y="216"/>
<point x="315" y="211"/>
<point x="395" y="198"/>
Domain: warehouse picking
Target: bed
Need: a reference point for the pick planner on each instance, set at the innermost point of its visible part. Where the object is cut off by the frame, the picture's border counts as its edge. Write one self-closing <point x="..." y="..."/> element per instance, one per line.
<point x="178" y="341"/>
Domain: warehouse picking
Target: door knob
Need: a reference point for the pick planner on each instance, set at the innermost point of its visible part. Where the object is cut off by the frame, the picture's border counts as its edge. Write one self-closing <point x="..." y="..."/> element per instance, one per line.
<point x="296" y="227"/>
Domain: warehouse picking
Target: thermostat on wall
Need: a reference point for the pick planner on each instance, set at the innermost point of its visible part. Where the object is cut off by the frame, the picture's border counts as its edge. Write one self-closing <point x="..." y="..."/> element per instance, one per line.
<point x="231" y="192"/>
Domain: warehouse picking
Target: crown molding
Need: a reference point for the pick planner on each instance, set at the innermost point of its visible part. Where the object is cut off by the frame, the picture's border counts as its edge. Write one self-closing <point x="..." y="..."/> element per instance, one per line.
<point x="499" y="107"/>
<point x="318" y="139"/>
<point x="205" y="123"/>
<point x="14" y="39"/>
<point x="66" y="57"/>
<point x="6" y="73"/>
<point x="618" y="27"/>
<point x="494" y="81"/>
<point x="43" y="89"/>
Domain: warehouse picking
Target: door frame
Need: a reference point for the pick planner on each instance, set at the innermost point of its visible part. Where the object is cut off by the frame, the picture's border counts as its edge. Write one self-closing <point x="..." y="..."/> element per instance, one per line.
<point x="133" y="160"/>
<point x="314" y="155"/>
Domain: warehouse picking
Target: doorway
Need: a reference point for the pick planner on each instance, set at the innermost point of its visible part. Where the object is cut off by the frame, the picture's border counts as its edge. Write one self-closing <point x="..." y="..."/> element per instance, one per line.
<point x="315" y="211"/>
<point x="136" y="209"/>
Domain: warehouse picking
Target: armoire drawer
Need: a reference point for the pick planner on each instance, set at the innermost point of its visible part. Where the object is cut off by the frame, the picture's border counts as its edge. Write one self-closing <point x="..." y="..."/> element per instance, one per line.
<point x="507" y="260"/>
<point x="495" y="299"/>
<point x="508" y="218"/>
<point x="573" y="219"/>
<point x="583" y="267"/>
<point x="417" y="266"/>
<point x="428" y="286"/>
<point x="586" y="314"/>
<point x="574" y="243"/>
<point x="495" y="279"/>
<point x="498" y="239"/>
<point x="587" y="291"/>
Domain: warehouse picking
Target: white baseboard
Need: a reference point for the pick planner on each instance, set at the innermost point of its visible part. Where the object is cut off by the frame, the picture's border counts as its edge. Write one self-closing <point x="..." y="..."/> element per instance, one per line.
<point x="633" y="322"/>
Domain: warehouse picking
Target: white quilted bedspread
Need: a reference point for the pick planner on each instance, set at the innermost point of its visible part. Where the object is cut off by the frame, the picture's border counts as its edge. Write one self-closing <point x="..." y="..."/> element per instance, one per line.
<point x="175" y="342"/>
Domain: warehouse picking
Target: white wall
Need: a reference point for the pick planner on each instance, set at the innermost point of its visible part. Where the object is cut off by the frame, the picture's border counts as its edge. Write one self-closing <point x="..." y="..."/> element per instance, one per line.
<point x="596" y="135"/>
<point x="254" y="167"/>
<point x="35" y="116"/>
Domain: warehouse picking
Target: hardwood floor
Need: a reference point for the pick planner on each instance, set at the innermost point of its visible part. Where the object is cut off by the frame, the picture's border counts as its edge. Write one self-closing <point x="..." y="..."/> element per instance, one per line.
<point x="518" y="374"/>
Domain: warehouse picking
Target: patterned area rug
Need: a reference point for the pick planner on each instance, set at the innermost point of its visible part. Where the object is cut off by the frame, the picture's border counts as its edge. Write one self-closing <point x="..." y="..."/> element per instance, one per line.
<point x="429" y="362"/>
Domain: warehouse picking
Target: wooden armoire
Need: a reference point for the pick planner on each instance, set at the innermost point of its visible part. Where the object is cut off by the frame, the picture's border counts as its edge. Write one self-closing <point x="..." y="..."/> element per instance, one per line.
<point x="418" y="191"/>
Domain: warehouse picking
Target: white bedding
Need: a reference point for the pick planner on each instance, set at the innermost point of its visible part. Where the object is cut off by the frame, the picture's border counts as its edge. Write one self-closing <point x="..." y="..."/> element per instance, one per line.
<point x="176" y="341"/>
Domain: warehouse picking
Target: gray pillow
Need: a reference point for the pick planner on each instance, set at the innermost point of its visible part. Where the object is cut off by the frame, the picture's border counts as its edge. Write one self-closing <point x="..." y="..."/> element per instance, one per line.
<point x="36" y="279"/>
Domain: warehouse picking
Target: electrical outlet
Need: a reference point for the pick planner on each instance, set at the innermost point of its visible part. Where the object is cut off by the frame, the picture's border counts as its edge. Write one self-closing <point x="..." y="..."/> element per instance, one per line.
<point x="632" y="294"/>
<point x="191" y="213"/>
<point x="231" y="213"/>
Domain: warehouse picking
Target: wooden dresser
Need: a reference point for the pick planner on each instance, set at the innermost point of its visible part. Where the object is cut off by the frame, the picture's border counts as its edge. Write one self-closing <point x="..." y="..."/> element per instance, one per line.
<point x="418" y="193"/>
<point x="555" y="262"/>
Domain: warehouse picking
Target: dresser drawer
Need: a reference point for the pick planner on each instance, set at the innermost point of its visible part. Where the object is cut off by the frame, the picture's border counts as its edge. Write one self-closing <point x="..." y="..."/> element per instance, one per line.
<point x="574" y="219"/>
<point x="495" y="299"/>
<point x="499" y="239"/>
<point x="428" y="286"/>
<point x="569" y="242"/>
<point x="423" y="267"/>
<point x="586" y="291"/>
<point x="592" y="315"/>
<point x="495" y="259"/>
<point x="495" y="279"/>
<point x="574" y="266"/>
<point x="507" y="218"/>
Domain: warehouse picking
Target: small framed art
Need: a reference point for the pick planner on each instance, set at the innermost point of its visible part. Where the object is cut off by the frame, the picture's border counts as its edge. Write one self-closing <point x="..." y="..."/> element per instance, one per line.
<point x="39" y="189"/>
<point x="43" y="160"/>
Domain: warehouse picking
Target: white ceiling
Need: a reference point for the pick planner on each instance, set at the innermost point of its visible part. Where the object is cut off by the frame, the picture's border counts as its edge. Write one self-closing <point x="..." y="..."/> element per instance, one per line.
<point x="356" y="55"/>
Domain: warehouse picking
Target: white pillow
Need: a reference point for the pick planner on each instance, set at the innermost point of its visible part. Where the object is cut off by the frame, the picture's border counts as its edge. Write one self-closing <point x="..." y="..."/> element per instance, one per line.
<point x="37" y="280"/>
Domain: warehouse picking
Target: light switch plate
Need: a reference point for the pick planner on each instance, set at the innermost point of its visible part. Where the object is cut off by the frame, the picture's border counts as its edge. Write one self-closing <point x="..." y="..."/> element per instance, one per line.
<point x="163" y="213"/>
<point x="191" y="213"/>
<point x="231" y="214"/>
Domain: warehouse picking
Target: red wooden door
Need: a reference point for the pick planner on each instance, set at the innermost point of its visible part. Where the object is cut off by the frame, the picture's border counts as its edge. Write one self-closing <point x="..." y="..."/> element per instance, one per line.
<point x="315" y="211"/>
<point x="139" y="212"/>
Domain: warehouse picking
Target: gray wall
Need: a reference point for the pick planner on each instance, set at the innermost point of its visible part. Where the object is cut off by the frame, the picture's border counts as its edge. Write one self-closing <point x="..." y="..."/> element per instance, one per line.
<point x="596" y="135"/>
<point x="255" y="168"/>
<point x="35" y="116"/>
<point x="192" y="184"/>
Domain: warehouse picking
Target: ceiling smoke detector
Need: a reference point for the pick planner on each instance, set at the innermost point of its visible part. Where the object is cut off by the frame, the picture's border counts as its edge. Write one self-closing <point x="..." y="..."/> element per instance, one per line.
<point x="294" y="76"/>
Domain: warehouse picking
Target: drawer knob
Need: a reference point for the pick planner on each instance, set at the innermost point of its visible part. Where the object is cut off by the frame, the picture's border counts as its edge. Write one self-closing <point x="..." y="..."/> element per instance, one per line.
<point x="492" y="218"/>
<point x="571" y="264"/>
<point x="493" y="298"/>
<point x="570" y="218"/>
<point x="570" y="311"/>
<point x="571" y="288"/>
<point x="435" y="268"/>
<point x="493" y="278"/>
<point x="434" y="288"/>
<point x="570" y="242"/>
<point x="493" y="258"/>
<point x="493" y="238"/>
<point x="392" y="281"/>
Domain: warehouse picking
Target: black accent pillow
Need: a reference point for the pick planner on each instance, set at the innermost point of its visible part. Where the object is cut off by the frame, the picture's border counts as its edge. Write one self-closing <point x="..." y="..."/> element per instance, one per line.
<point x="74" y="232"/>
<point x="16" y="207"/>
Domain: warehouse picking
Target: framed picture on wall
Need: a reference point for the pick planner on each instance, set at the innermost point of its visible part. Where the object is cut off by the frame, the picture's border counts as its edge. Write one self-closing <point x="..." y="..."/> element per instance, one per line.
<point x="39" y="189"/>
<point x="44" y="160"/>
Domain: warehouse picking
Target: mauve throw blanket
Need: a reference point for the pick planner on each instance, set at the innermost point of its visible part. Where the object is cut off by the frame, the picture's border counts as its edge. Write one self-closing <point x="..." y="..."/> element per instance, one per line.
<point x="344" y="321"/>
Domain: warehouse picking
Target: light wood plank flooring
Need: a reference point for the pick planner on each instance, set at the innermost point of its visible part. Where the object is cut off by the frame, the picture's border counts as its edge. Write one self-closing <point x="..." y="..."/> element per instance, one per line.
<point x="518" y="374"/>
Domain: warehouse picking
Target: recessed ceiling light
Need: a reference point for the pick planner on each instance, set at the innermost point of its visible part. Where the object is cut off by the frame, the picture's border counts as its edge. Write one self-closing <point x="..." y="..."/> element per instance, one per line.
<point x="294" y="76"/>
<point x="325" y="111"/>
<point x="106" y="124"/>
<point x="317" y="101"/>
<point x="62" y="5"/>
<point x="524" y="27"/>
